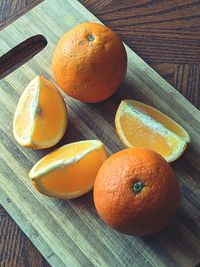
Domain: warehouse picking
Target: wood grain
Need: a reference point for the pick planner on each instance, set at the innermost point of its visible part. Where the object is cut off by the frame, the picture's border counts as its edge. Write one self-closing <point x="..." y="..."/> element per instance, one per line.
<point x="21" y="53"/>
<point x="15" y="247"/>
<point x="171" y="59"/>
<point x="159" y="31"/>
<point x="10" y="10"/>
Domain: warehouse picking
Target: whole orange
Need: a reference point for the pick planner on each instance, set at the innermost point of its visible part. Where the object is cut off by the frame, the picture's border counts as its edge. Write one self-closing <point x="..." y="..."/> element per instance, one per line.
<point x="89" y="62"/>
<point x="136" y="191"/>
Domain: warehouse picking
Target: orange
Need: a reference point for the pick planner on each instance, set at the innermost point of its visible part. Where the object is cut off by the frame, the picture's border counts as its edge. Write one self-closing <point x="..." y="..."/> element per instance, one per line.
<point x="138" y="124"/>
<point x="89" y="62"/>
<point x="69" y="171"/>
<point x="136" y="192"/>
<point x="40" y="119"/>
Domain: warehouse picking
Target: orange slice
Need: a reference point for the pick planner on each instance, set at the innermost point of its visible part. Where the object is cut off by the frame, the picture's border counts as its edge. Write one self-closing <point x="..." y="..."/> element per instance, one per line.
<point x="138" y="124"/>
<point x="69" y="171"/>
<point x="40" y="119"/>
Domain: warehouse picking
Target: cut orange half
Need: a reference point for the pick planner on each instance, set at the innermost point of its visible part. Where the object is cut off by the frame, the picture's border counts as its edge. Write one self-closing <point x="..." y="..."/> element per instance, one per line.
<point x="69" y="171"/>
<point x="40" y="119"/>
<point x="138" y="124"/>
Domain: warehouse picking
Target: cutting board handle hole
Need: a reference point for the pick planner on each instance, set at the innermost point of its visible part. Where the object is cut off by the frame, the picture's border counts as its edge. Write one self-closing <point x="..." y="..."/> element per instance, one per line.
<point x="21" y="53"/>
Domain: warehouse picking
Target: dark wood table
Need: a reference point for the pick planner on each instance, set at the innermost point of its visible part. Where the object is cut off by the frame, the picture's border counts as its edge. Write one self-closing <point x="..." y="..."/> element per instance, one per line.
<point x="166" y="34"/>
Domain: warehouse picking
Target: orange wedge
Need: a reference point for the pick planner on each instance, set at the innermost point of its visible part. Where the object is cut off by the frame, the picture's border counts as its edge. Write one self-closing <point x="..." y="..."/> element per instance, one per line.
<point x="69" y="171"/>
<point x="138" y="124"/>
<point x="40" y="119"/>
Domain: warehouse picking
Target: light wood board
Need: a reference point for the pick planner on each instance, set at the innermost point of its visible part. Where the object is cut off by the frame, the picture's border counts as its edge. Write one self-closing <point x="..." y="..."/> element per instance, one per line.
<point x="70" y="233"/>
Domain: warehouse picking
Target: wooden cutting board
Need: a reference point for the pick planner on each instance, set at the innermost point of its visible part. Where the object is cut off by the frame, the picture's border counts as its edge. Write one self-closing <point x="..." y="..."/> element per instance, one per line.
<point x="69" y="233"/>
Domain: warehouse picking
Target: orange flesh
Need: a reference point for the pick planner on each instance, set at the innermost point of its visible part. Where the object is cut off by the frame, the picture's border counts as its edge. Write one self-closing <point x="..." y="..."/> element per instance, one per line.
<point x="161" y="118"/>
<point x="24" y="122"/>
<point x="63" y="154"/>
<point x="48" y="120"/>
<point x="145" y="137"/>
<point x="70" y="170"/>
<point x="74" y="178"/>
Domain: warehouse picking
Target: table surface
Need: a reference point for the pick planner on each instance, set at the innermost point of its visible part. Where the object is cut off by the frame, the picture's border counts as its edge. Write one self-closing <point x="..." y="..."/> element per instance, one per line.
<point x="164" y="33"/>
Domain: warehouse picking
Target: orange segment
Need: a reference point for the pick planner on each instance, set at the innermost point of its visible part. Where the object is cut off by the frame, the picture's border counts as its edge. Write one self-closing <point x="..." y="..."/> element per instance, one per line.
<point x="140" y="125"/>
<point x="69" y="171"/>
<point x="41" y="116"/>
<point x="163" y="119"/>
<point x="23" y="121"/>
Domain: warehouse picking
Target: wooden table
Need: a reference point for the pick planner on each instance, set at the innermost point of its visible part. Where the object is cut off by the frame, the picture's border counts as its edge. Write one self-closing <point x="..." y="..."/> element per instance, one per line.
<point x="164" y="33"/>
